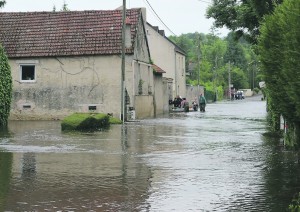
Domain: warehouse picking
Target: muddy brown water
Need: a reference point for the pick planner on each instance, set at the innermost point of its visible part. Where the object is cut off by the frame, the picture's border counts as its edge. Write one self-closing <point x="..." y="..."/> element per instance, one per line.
<point x="212" y="161"/>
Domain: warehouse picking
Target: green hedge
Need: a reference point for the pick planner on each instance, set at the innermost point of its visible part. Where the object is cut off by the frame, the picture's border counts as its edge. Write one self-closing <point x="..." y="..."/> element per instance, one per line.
<point x="5" y="87"/>
<point x="87" y="121"/>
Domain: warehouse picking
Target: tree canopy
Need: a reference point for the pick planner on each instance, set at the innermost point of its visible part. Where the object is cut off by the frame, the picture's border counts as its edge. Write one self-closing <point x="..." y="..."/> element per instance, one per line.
<point x="241" y="16"/>
<point x="279" y="54"/>
<point x="208" y="58"/>
<point x="2" y="3"/>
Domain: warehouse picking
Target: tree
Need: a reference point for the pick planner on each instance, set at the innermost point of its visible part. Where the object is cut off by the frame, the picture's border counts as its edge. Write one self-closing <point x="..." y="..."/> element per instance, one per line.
<point x="279" y="49"/>
<point x="5" y="88"/>
<point x="65" y="7"/>
<point x="241" y="16"/>
<point x="212" y="54"/>
<point x="2" y="3"/>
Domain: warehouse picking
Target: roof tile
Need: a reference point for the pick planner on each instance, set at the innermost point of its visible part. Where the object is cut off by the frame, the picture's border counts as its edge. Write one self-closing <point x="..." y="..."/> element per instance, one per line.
<point x="41" y="34"/>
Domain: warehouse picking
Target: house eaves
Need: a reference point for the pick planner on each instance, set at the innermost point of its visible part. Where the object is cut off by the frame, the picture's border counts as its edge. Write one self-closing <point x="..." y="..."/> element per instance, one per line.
<point x="157" y="69"/>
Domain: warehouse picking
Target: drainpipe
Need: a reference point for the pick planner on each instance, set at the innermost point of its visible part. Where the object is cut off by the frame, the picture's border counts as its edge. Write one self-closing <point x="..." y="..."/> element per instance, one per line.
<point x="176" y="88"/>
<point x="123" y="63"/>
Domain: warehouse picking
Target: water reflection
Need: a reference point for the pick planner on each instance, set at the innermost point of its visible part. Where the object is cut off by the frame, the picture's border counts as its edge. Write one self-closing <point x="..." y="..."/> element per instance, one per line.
<point x="5" y="176"/>
<point x="213" y="161"/>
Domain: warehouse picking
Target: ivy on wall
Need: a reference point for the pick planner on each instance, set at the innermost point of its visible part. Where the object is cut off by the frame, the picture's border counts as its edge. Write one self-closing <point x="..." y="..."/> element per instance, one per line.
<point x="5" y="87"/>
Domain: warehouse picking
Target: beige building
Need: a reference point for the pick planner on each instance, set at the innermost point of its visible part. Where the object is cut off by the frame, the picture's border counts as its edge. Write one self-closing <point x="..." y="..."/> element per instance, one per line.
<point x="167" y="55"/>
<point x="66" y="62"/>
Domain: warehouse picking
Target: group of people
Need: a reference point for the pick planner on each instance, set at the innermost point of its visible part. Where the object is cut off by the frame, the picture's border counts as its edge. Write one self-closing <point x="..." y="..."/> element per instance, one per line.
<point x="182" y="102"/>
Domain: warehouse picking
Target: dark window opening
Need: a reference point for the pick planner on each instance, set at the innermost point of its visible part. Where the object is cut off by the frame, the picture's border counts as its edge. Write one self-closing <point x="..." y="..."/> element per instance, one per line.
<point x="92" y="107"/>
<point x="27" y="72"/>
<point x="26" y="106"/>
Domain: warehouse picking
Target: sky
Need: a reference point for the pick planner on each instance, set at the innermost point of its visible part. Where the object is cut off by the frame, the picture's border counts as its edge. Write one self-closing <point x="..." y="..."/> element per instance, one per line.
<point x="176" y="17"/>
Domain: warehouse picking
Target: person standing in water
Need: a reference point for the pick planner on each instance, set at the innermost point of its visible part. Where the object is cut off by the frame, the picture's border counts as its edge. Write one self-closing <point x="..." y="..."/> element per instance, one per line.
<point x="202" y="103"/>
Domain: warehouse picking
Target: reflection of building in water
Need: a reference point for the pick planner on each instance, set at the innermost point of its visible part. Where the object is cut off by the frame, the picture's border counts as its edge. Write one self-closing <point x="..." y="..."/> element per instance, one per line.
<point x="28" y="166"/>
<point x="109" y="177"/>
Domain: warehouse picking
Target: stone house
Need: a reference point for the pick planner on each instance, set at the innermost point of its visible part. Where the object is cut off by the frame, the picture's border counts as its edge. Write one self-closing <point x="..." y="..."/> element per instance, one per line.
<point x="66" y="62"/>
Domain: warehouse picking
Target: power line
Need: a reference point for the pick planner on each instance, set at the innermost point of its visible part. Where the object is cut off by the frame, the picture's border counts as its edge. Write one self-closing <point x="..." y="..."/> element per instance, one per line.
<point x="152" y="9"/>
<point x="159" y="17"/>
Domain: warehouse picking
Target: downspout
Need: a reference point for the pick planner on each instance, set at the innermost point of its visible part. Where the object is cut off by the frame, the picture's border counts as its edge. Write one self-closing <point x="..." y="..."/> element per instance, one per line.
<point x="123" y="63"/>
<point x="176" y="88"/>
<point x="133" y="83"/>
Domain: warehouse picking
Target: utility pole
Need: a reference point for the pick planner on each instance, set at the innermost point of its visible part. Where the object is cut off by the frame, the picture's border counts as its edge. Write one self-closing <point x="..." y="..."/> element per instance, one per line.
<point x="253" y="77"/>
<point x="229" y="82"/>
<point x="123" y="63"/>
<point x="199" y="58"/>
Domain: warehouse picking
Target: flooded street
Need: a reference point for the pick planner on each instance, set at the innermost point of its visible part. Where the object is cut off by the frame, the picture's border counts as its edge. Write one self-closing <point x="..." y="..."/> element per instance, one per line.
<point x="212" y="161"/>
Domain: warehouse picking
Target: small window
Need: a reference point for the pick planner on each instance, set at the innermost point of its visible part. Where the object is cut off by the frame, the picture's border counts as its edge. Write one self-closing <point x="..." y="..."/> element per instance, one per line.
<point x="92" y="108"/>
<point x="27" y="73"/>
<point x="26" y="107"/>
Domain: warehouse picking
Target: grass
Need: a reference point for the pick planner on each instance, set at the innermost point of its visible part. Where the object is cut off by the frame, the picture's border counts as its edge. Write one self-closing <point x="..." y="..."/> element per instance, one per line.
<point x="87" y="122"/>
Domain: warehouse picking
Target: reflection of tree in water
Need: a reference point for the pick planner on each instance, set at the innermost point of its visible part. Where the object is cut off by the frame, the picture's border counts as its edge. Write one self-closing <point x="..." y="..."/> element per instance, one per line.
<point x="281" y="175"/>
<point x="5" y="174"/>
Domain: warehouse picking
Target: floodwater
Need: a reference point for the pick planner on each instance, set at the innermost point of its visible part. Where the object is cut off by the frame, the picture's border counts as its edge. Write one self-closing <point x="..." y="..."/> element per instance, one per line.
<point x="212" y="161"/>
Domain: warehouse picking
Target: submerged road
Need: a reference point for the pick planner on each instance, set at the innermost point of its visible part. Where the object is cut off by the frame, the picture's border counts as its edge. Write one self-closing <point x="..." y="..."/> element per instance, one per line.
<point x="213" y="161"/>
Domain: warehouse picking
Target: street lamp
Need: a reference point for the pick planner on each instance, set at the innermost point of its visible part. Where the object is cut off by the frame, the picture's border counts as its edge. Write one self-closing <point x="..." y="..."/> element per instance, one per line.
<point x="215" y="75"/>
<point x="229" y="82"/>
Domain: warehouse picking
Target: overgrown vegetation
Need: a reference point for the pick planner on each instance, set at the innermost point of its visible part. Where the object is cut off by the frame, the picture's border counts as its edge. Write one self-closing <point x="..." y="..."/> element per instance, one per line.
<point x="295" y="205"/>
<point x="279" y="54"/>
<point x="5" y="88"/>
<point x="242" y="17"/>
<point x="88" y="122"/>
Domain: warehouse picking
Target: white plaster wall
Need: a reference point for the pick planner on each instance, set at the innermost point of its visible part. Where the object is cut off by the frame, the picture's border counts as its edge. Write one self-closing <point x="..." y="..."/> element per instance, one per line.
<point x="142" y="106"/>
<point x="164" y="55"/>
<point x="180" y="79"/>
<point x="65" y="85"/>
<point x="162" y="52"/>
<point x="159" y="98"/>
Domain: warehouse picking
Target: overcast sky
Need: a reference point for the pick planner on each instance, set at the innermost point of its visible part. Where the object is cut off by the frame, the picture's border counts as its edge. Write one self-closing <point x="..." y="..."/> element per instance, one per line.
<point x="173" y="16"/>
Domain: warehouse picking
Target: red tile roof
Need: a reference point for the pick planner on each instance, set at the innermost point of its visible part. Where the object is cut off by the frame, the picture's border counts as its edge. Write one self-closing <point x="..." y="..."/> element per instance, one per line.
<point x="42" y="34"/>
<point x="157" y="69"/>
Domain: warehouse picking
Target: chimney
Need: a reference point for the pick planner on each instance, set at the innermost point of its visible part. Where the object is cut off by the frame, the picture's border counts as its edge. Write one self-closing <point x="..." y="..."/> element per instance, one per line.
<point x="128" y="41"/>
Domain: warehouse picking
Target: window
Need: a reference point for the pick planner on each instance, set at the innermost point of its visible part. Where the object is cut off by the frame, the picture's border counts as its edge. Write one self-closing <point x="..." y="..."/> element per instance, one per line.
<point x="26" y="106"/>
<point x="92" y="107"/>
<point x="27" y="73"/>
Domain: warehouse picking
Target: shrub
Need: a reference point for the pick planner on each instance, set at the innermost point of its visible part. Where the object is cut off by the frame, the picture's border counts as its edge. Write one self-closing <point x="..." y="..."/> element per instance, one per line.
<point x="87" y="122"/>
<point x="5" y="88"/>
<point x="295" y="204"/>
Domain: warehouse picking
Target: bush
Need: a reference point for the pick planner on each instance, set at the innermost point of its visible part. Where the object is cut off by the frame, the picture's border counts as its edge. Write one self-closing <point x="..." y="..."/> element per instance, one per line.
<point x="113" y="120"/>
<point x="256" y="90"/>
<point x="295" y="205"/>
<point x="5" y="88"/>
<point x="88" y="122"/>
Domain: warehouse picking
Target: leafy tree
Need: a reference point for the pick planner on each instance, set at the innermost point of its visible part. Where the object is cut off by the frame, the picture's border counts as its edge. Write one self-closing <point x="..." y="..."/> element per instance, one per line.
<point x="279" y="49"/>
<point x="2" y="3"/>
<point x="65" y="7"/>
<point x="5" y="88"/>
<point x="241" y="16"/>
<point x="235" y="53"/>
<point x="238" y="78"/>
<point x="213" y="54"/>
